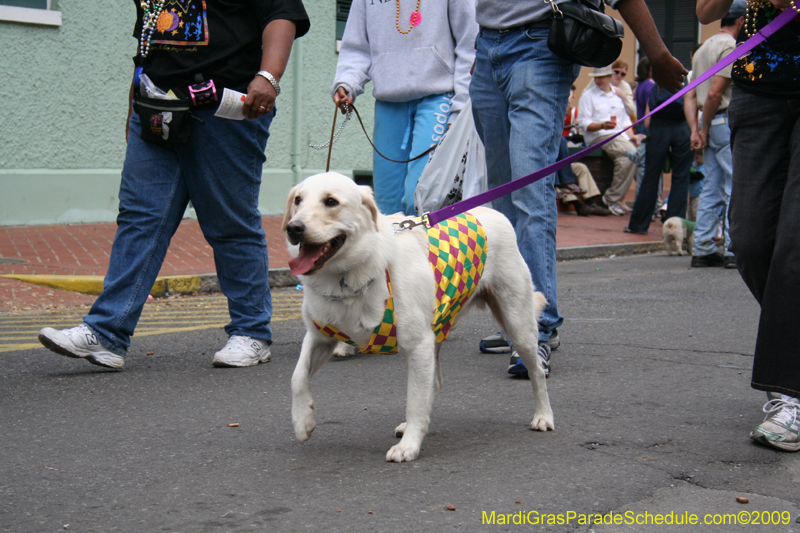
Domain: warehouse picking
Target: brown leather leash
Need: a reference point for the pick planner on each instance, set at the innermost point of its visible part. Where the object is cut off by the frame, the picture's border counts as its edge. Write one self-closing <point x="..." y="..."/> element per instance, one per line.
<point x="364" y="129"/>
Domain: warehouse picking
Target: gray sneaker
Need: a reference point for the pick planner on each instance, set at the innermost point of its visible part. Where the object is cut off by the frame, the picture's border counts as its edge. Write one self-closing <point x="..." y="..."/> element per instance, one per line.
<point x="80" y="342"/>
<point x="781" y="427"/>
<point x="497" y="343"/>
<point x="500" y="343"/>
<point x="242" y="351"/>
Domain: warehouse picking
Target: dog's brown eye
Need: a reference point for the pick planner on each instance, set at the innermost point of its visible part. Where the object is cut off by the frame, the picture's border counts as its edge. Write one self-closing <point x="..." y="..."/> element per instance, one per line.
<point x="297" y="200"/>
<point x="331" y="202"/>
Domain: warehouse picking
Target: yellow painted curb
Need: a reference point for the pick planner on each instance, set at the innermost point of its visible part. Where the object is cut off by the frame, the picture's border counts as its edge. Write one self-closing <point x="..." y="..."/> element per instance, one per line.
<point x="94" y="284"/>
<point x="81" y="284"/>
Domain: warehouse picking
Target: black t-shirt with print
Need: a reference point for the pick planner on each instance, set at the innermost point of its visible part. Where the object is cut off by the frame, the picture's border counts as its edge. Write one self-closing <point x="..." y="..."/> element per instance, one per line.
<point x="219" y="39"/>
<point x="771" y="69"/>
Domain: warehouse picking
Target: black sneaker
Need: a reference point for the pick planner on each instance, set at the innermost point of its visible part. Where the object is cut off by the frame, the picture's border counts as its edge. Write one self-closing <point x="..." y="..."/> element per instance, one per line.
<point x="730" y="261"/>
<point x="516" y="366"/>
<point x="627" y="229"/>
<point x="554" y="341"/>
<point x="711" y="260"/>
<point x="497" y="343"/>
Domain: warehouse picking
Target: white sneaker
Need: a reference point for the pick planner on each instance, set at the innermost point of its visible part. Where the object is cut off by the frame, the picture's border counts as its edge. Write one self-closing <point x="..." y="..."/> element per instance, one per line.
<point x="242" y="351"/>
<point x="781" y="428"/>
<point x="616" y="210"/>
<point x="80" y="342"/>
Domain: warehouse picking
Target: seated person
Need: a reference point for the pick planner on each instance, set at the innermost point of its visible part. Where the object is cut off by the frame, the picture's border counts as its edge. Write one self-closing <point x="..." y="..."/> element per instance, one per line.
<point x="575" y="180"/>
<point x="601" y="113"/>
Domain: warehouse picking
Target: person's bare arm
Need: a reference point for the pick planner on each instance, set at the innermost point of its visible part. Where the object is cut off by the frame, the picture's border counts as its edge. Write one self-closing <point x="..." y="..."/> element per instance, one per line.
<point x="667" y="71"/>
<point x="711" y="10"/>
<point x="690" y="112"/>
<point x="597" y="126"/>
<point x="276" y="39"/>
<point x="710" y="108"/>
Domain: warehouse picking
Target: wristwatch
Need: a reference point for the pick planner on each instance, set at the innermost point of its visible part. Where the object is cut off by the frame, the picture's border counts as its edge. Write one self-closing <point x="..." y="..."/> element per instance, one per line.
<point x="271" y="79"/>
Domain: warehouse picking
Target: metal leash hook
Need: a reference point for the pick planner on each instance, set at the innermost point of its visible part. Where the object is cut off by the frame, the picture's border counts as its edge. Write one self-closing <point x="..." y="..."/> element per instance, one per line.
<point x="411" y="223"/>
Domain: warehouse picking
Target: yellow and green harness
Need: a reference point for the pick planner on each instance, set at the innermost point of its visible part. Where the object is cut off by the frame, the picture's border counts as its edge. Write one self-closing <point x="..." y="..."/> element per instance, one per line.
<point x="456" y="253"/>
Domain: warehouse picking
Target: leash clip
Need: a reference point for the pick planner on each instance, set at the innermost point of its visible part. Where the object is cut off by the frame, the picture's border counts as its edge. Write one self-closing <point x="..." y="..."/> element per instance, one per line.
<point x="411" y="223"/>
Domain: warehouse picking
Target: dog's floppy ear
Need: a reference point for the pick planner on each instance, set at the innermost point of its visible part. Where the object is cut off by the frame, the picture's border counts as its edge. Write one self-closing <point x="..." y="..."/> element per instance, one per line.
<point x="368" y="199"/>
<point x="288" y="214"/>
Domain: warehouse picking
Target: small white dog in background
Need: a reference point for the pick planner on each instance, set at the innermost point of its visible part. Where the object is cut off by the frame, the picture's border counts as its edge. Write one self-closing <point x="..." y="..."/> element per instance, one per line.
<point x="357" y="270"/>
<point x="675" y="232"/>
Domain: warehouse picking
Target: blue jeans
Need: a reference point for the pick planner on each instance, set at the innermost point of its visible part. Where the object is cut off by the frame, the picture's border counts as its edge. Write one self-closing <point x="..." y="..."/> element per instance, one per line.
<point x="665" y="136"/>
<point x="219" y="170"/>
<point x="716" y="195"/>
<point x="519" y="93"/>
<point x="402" y="131"/>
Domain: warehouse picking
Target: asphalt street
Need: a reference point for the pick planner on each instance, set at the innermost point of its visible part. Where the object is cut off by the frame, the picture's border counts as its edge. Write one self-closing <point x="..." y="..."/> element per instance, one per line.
<point x="650" y="391"/>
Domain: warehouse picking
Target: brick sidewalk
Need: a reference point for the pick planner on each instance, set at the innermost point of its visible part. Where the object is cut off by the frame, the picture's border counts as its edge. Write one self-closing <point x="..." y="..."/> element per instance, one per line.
<point x="83" y="249"/>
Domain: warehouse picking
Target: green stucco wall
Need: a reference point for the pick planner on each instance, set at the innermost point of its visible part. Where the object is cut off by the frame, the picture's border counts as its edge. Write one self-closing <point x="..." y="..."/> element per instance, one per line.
<point x="63" y="107"/>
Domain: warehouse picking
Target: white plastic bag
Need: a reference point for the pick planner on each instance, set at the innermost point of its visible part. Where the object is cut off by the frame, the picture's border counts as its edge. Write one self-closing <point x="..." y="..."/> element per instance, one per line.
<point x="455" y="170"/>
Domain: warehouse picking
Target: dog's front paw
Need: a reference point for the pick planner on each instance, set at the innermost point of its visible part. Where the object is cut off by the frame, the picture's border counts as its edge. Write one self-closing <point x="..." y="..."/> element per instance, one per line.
<point x="402" y="453"/>
<point x="400" y="430"/>
<point x="542" y="422"/>
<point x="343" y="350"/>
<point x="304" y="422"/>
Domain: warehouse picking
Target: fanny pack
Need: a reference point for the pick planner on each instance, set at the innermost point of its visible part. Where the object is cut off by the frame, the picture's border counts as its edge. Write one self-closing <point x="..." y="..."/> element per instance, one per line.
<point x="164" y="122"/>
<point x="582" y="33"/>
<point x="168" y="122"/>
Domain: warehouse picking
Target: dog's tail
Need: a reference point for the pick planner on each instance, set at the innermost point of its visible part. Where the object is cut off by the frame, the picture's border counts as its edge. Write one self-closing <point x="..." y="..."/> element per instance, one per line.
<point x="539" y="303"/>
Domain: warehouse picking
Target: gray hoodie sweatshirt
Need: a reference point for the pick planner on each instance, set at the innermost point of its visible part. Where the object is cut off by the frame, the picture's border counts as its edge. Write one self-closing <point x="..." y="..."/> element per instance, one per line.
<point x="435" y="57"/>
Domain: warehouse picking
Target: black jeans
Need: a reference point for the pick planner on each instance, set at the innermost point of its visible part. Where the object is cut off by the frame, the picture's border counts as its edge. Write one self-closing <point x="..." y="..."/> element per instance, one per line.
<point x="663" y="135"/>
<point x="765" y="229"/>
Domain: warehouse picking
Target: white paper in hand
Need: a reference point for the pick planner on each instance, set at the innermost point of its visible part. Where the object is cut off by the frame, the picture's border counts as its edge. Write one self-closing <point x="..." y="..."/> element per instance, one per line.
<point x="231" y="105"/>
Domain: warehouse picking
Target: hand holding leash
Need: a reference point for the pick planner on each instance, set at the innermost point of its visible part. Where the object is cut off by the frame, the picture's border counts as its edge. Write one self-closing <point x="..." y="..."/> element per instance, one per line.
<point x="342" y="100"/>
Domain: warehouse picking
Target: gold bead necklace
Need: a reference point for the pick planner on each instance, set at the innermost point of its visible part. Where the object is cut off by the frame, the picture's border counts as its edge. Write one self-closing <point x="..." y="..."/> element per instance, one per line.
<point x="416" y="18"/>
<point x="753" y="7"/>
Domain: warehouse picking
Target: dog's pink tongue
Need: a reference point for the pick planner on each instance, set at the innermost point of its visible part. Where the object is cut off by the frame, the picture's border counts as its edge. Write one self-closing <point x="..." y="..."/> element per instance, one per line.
<point x="304" y="262"/>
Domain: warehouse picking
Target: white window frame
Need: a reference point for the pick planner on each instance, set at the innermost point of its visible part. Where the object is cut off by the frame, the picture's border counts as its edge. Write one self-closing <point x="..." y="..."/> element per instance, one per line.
<point x="27" y="15"/>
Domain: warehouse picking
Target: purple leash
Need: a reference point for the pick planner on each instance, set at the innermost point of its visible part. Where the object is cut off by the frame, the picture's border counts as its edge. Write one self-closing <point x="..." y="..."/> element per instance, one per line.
<point x="507" y="188"/>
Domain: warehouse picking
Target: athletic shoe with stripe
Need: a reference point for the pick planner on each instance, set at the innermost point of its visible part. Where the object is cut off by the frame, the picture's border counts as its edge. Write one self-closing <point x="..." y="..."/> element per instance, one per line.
<point x="517" y="367"/>
<point x="241" y="351"/>
<point x="781" y="428"/>
<point x="80" y="342"/>
<point x="497" y="343"/>
<point x="500" y="343"/>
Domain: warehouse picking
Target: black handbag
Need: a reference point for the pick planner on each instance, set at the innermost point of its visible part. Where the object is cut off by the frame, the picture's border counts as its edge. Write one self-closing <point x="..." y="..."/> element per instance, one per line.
<point x="582" y="33"/>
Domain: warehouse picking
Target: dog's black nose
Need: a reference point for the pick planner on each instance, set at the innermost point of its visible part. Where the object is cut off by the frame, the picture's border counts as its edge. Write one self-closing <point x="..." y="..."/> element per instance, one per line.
<point x="295" y="230"/>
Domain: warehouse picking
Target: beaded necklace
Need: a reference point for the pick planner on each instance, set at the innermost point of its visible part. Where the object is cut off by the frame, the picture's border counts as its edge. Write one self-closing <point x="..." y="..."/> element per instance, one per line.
<point x="152" y="9"/>
<point x="416" y="18"/>
<point x="753" y="7"/>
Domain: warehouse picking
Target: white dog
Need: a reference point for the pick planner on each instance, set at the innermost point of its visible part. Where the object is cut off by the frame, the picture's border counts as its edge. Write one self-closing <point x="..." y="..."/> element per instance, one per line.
<point x="357" y="270"/>
<point x="675" y="231"/>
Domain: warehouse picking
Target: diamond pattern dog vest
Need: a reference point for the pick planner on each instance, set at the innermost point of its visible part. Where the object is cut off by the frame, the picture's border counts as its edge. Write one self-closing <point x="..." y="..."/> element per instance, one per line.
<point x="457" y="254"/>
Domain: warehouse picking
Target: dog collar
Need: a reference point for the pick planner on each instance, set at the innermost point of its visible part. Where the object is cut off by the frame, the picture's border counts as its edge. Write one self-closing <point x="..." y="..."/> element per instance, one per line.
<point x="346" y="288"/>
<point x="457" y="254"/>
<point x="384" y="336"/>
